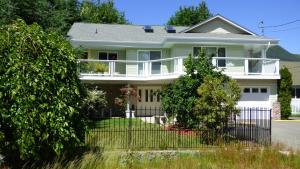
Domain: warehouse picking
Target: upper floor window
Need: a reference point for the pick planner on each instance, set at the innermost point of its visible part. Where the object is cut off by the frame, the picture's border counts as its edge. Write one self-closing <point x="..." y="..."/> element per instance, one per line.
<point x="108" y="55"/>
<point x="210" y="51"/>
<point x="296" y="92"/>
<point x="85" y="55"/>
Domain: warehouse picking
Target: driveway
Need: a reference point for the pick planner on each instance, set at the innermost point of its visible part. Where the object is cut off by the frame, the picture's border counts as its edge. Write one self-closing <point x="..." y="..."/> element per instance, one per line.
<point x="287" y="132"/>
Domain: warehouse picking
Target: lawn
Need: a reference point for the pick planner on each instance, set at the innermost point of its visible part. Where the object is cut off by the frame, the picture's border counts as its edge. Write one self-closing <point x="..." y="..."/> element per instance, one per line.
<point x="230" y="157"/>
<point x="115" y="133"/>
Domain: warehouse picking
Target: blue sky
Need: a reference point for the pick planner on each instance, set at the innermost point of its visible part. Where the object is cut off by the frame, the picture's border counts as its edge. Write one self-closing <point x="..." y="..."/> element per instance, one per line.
<point x="246" y="13"/>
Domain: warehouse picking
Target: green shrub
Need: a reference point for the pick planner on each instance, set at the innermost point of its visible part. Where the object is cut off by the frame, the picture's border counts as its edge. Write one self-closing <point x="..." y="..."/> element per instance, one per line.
<point x="94" y="103"/>
<point x="101" y="68"/>
<point x="217" y="100"/>
<point x="285" y="92"/>
<point x="179" y="98"/>
<point x="40" y="93"/>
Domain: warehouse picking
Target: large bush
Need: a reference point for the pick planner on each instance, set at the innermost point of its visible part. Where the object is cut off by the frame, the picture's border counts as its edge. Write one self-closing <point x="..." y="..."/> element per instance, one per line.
<point x="285" y="92"/>
<point x="217" y="100"/>
<point x="179" y="98"/>
<point x="40" y="93"/>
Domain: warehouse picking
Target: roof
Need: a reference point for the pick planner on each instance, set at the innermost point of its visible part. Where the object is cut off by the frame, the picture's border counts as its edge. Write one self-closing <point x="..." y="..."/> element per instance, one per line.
<point x="134" y="35"/>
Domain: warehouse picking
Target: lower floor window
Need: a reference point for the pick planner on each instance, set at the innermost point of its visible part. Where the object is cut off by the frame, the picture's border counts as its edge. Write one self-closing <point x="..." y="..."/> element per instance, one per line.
<point x="296" y="93"/>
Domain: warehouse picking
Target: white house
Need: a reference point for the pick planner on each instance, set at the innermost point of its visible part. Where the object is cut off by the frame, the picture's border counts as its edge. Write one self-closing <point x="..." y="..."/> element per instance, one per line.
<point x="149" y="57"/>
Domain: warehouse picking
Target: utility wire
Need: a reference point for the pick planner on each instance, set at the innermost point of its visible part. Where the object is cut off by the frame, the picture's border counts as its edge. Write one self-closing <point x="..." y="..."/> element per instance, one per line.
<point x="288" y="29"/>
<point x="275" y="26"/>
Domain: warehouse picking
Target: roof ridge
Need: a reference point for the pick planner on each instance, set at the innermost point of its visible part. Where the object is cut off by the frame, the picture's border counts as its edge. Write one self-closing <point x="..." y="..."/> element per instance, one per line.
<point x="122" y="24"/>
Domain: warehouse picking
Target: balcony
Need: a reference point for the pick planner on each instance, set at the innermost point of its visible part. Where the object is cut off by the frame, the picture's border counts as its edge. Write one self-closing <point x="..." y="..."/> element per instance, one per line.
<point x="248" y="68"/>
<point x="172" y="68"/>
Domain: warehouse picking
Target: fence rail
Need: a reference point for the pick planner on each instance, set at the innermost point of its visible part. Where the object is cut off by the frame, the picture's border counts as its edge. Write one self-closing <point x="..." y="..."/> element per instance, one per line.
<point x="152" y="129"/>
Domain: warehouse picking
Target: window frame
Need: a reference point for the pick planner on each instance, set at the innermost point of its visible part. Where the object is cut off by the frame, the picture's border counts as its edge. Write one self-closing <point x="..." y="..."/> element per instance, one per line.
<point x="217" y="48"/>
<point x="107" y="54"/>
<point x="294" y="89"/>
<point x="256" y="87"/>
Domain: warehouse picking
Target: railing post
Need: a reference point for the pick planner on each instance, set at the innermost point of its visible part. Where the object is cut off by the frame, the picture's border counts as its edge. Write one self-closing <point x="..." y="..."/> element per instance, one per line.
<point x="246" y="65"/>
<point x="113" y="63"/>
<point x="277" y="65"/>
<point x="180" y="65"/>
<point x="150" y="68"/>
<point x="214" y="61"/>
<point x="78" y="66"/>
<point x="263" y="66"/>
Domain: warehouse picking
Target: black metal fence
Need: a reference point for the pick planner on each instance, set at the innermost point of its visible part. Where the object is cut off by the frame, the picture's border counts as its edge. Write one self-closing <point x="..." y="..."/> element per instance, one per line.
<point x="152" y="129"/>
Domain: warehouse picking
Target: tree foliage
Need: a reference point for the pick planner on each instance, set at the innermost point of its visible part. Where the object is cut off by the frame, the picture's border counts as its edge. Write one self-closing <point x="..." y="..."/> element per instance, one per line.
<point x="40" y="93"/>
<point x="52" y="15"/>
<point x="59" y="15"/>
<point x="188" y="16"/>
<point x="217" y="100"/>
<point x="101" y="12"/>
<point x="179" y="98"/>
<point x="285" y="92"/>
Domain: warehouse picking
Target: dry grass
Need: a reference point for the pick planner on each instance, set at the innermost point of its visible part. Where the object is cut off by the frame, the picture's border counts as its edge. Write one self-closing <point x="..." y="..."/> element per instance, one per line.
<point x="229" y="157"/>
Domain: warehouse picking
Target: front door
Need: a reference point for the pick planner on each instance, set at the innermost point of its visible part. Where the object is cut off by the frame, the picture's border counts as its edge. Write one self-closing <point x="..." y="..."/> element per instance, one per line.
<point x="148" y="99"/>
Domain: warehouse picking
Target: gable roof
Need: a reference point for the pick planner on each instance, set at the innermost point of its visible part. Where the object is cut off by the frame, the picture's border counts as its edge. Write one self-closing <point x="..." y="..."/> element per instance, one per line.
<point x="218" y="16"/>
<point x="116" y="35"/>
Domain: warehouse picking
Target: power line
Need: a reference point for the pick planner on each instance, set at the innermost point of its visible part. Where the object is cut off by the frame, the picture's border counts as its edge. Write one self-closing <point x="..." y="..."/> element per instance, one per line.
<point x="298" y="27"/>
<point x="263" y="27"/>
<point x="287" y="23"/>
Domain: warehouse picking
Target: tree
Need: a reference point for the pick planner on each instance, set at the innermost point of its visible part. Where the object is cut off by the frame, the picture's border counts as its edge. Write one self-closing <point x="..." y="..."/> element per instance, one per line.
<point x="101" y="12"/>
<point x="179" y="98"/>
<point x="285" y="92"/>
<point x="217" y="100"/>
<point x="52" y="15"/>
<point x="40" y="94"/>
<point x="7" y="12"/>
<point x="188" y="16"/>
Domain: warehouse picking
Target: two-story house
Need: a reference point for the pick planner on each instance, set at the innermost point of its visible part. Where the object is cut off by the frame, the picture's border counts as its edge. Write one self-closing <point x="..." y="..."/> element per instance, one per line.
<point x="149" y="57"/>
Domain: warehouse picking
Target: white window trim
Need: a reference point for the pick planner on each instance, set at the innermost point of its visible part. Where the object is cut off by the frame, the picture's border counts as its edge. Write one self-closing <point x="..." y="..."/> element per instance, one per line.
<point x="107" y="53"/>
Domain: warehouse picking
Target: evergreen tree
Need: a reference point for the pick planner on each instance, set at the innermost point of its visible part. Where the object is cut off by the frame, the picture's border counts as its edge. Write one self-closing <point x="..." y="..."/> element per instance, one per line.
<point x="188" y="16"/>
<point x="285" y="92"/>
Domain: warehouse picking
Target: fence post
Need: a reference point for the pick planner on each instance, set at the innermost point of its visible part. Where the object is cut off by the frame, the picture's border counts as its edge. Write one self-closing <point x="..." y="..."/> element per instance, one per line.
<point x="270" y="130"/>
<point x="130" y="129"/>
<point x="250" y="119"/>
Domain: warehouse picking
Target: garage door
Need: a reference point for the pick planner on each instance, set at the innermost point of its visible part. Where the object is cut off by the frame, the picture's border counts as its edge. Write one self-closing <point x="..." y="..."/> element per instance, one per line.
<point x="255" y="97"/>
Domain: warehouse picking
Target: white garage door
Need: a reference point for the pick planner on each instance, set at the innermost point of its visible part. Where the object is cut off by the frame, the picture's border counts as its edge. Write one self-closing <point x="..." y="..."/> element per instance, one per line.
<point x="255" y="97"/>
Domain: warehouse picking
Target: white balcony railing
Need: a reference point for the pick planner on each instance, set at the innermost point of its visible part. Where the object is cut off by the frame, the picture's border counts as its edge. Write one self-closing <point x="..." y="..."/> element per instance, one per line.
<point x="232" y="66"/>
<point x="247" y="66"/>
<point x="128" y="68"/>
